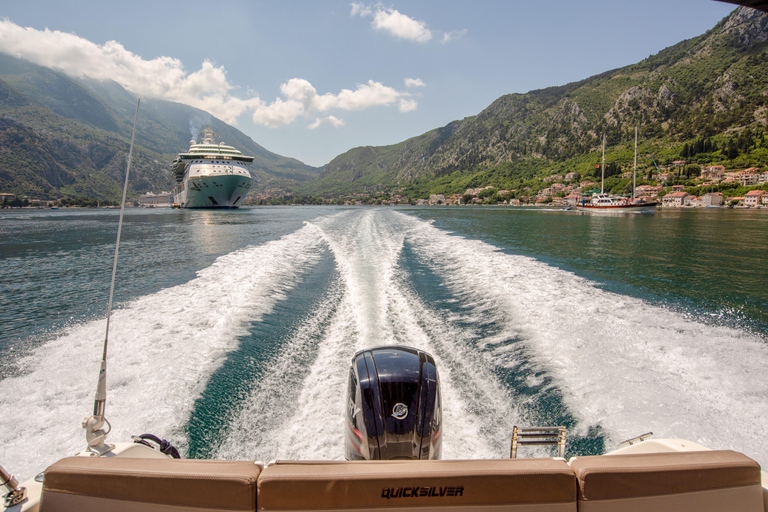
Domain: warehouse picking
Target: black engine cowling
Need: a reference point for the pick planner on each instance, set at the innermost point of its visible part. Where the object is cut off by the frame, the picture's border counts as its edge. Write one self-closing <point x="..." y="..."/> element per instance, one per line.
<point x="393" y="408"/>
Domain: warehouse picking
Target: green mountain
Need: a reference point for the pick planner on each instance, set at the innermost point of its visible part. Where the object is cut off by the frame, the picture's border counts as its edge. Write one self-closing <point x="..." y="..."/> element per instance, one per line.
<point x="67" y="137"/>
<point x="707" y="93"/>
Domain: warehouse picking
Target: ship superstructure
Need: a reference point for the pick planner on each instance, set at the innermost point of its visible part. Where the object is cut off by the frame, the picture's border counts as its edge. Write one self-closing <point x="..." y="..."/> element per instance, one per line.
<point x="211" y="175"/>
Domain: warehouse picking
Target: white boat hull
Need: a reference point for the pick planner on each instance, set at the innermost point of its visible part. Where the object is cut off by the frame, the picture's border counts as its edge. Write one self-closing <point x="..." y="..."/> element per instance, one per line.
<point x="626" y="208"/>
<point x="224" y="191"/>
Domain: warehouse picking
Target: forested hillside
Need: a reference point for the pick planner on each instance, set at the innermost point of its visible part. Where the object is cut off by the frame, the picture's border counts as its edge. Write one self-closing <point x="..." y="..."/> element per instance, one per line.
<point x="66" y="137"/>
<point x="702" y="100"/>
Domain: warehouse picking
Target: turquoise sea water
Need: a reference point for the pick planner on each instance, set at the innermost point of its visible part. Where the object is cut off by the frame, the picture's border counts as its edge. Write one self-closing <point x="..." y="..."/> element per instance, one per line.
<point x="233" y="330"/>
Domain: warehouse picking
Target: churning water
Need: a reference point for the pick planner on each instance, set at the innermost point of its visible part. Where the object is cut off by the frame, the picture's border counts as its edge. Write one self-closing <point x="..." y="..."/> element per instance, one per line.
<point x="235" y="329"/>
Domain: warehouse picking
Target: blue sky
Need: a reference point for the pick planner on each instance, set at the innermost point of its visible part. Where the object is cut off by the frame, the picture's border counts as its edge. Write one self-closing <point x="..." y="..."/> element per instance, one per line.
<point x="313" y="79"/>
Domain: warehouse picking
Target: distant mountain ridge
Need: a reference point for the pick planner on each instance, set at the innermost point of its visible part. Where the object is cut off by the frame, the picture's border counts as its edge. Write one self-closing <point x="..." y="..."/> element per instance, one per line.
<point x="710" y="85"/>
<point x="61" y="136"/>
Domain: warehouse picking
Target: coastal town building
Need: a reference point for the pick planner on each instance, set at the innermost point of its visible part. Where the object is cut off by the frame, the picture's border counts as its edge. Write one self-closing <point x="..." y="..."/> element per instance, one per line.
<point x="571" y="176"/>
<point x="674" y="200"/>
<point x="436" y="199"/>
<point x="749" y="177"/>
<point x="7" y="197"/>
<point x="712" y="172"/>
<point x="754" y="198"/>
<point x="712" y="199"/>
<point x="649" y="190"/>
<point x="156" y="200"/>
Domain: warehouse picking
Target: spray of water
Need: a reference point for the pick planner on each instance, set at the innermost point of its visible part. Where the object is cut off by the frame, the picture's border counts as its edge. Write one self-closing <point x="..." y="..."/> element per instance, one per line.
<point x="164" y="347"/>
<point x="617" y="362"/>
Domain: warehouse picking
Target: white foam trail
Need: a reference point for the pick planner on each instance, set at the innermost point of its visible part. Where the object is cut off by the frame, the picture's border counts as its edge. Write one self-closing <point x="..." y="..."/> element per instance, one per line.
<point x="620" y="362"/>
<point x="374" y="305"/>
<point x="163" y="348"/>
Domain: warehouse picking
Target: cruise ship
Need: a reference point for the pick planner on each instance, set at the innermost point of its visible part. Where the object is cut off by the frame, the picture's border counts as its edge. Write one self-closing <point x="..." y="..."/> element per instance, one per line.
<point x="211" y="175"/>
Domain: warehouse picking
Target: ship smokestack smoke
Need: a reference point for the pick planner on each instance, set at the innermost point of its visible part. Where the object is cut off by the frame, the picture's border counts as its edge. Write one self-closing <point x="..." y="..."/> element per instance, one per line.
<point x="196" y="123"/>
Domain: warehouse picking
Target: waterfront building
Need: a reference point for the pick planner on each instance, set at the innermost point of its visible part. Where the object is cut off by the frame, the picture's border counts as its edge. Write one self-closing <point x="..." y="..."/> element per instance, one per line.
<point x="712" y="199"/>
<point x="674" y="200"/>
<point x="754" y="198"/>
<point x="436" y="199"/>
<point x="156" y="200"/>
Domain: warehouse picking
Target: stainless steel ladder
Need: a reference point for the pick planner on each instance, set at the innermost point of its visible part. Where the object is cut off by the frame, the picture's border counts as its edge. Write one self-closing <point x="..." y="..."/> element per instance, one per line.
<point x="549" y="436"/>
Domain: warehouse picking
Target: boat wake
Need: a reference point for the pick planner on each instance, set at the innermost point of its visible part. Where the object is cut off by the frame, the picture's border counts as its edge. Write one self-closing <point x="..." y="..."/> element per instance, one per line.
<point x="516" y="341"/>
<point x="163" y="348"/>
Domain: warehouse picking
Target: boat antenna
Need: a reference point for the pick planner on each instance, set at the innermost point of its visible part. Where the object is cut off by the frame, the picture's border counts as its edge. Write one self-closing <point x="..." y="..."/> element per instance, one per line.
<point x="93" y="425"/>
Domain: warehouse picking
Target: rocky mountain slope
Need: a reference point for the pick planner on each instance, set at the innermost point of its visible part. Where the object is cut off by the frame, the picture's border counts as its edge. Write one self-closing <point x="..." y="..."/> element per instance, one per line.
<point x="65" y="137"/>
<point x="715" y="85"/>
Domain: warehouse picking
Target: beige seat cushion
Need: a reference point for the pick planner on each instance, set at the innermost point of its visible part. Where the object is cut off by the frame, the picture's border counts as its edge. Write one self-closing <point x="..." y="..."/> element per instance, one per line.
<point x="675" y="481"/>
<point x="117" y="484"/>
<point x="519" y="485"/>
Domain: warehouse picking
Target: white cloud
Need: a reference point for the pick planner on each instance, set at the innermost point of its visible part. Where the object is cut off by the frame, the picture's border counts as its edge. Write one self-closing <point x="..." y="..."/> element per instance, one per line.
<point x="401" y="26"/>
<point x="453" y="35"/>
<point x="361" y="9"/>
<point x="332" y="120"/>
<point x="394" y="22"/>
<point x="406" y="105"/>
<point x="414" y="82"/>
<point x="301" y="99"/>
<point x="207" y="88"/>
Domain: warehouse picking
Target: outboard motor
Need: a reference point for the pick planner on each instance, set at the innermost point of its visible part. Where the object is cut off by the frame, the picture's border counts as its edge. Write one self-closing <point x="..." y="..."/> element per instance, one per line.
<point x="393" y="408"/>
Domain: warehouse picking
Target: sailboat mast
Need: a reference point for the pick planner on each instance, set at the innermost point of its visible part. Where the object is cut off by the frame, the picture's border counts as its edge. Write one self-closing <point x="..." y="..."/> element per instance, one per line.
<point x="602" y="168"/>
<point x="634" y="184"/>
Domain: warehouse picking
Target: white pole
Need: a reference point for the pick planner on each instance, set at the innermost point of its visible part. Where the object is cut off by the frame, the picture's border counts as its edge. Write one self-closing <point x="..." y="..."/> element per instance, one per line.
<point x="602" y="168"/>
<point x="94" y="434"/>
<point x="634" y="184"/>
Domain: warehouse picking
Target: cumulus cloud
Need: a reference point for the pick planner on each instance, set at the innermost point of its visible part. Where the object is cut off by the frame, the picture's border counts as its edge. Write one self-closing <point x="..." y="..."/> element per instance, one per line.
<point x="207" y="88"/>
<point x="414" y="82"/>
<point x="331" y="120"/>
<point x="301" y="99"/>
<point x="453" y="35"/>
<point x="406" y="105"/>
<point x="400" y="25"/>
<point x="394" y="22"/>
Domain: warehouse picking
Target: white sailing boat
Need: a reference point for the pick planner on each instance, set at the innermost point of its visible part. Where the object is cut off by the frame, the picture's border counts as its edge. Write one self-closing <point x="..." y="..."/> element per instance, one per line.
<point x="611" y="203"/>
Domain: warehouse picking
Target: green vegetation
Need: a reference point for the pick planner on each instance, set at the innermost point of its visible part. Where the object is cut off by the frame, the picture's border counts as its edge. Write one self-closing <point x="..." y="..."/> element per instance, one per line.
<point x="68" y="138"/>
<point x="703" y="101"/>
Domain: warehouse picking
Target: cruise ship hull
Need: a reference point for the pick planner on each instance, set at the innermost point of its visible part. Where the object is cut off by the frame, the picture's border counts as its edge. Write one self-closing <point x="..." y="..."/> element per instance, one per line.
<point x="226" y="191"/>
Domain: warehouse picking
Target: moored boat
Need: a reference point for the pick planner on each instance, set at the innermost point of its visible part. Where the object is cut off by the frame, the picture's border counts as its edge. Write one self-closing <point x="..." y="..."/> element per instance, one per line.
<point x="616" y="204"/>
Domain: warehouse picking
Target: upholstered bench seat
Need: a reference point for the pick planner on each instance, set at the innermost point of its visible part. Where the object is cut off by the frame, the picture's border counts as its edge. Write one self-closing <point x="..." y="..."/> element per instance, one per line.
<point x="117" y="484"/>
<point x="516" y="485"/>
<point x="705" y="481"/>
